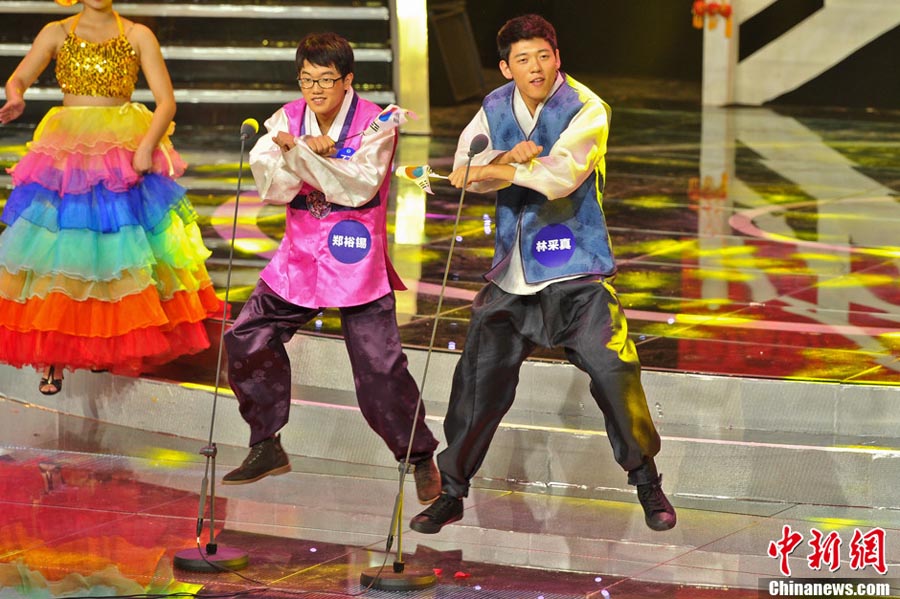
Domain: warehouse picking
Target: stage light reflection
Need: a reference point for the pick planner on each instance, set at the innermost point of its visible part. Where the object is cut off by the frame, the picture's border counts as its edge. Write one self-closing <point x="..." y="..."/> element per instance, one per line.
<point x="160" y="456"/>
<point x="255" y="246"/>
<point x="409" y="228"/>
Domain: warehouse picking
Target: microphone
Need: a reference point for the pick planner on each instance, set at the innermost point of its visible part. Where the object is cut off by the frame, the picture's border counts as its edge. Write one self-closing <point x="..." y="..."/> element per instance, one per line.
<point x="249" y="128"/>
<point x="478" y="144"/>
<point x="214" y="558"/>
<point x="402" y="579"/>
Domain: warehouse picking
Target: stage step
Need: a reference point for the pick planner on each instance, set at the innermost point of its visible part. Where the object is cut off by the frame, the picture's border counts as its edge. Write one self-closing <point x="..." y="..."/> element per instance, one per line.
<point x="722" y="437"/>
<point x="227" y="60"/>
<point x="717" y="541"/>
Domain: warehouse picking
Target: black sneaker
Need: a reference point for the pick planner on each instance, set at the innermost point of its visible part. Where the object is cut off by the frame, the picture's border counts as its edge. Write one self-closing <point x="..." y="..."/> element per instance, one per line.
<point x="265" y="458"/>
<point x="428" y="481"/>
<point x="658" y="512"/>
<point x="446" y="510"/>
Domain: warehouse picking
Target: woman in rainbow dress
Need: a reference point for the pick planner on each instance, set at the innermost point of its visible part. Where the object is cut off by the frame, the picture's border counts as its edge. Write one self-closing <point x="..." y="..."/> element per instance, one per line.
<point x="101" y="261"/>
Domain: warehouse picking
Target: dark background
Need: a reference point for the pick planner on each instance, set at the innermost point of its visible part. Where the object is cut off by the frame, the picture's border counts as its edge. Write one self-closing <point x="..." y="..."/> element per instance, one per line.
<point x="656" y="39"/>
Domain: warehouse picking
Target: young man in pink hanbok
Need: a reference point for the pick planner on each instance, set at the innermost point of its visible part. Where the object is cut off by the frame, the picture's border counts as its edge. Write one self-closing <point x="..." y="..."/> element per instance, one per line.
<point x="323" y="160"/>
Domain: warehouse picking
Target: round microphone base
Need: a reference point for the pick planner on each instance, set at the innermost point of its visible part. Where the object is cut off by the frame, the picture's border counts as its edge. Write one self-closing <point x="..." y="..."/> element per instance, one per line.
<point x="410" y="579"/>
<point x="199" y="560"/>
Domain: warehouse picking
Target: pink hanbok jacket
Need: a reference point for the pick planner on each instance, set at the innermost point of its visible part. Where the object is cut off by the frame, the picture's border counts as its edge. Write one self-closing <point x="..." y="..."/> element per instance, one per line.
<point x="334" y="250"/>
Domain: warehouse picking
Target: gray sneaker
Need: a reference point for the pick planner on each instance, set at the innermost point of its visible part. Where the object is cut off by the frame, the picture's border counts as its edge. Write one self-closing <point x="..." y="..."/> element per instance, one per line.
<point x="658" y="512"/>
<point x="265" y="458"/>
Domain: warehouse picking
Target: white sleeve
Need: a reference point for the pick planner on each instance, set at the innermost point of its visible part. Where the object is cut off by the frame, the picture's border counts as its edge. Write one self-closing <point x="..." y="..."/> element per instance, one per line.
<point x="275" y="184"/>
<point x="350" y="182"/>
<point x="580" y="148"/>
<point x="478" y="125"/>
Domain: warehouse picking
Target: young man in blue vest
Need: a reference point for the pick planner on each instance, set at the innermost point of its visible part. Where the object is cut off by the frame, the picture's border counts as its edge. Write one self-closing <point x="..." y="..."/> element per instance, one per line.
<point x="550" y="281"/>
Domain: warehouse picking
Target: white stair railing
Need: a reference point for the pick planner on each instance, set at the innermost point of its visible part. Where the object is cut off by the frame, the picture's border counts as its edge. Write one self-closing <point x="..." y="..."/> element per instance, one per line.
<point x="801" y="54"/>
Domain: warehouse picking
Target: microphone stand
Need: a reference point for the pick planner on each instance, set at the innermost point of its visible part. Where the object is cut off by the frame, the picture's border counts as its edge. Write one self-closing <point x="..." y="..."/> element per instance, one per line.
<point x="215" y="558"/>
<point x="399" y="578"/>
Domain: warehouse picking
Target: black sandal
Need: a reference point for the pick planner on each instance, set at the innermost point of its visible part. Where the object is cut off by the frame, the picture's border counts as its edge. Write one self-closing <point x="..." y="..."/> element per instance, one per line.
<point x="51" y="381"/>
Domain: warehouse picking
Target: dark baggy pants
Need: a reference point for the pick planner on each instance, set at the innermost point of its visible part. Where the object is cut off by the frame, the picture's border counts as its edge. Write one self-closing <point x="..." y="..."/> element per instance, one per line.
<point x="584" y="317"/>
<point x="259" y="370"/>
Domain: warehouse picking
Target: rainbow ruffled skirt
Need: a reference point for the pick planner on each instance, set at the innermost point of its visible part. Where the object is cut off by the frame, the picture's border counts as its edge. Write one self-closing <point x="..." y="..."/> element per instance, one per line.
<point x="100" y="267"/>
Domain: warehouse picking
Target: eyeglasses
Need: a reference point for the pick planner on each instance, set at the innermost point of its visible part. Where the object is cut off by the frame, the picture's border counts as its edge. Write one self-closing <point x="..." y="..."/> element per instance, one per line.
<point x="324" y="82"/>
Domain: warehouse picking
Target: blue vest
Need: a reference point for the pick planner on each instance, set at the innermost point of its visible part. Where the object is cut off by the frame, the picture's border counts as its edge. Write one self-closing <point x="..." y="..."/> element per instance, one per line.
<point x="559" y="238"/>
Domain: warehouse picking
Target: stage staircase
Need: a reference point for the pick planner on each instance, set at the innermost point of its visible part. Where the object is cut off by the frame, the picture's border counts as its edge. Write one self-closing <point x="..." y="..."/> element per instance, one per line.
<point x="228" y="60"/>
<point x="741" y="458"/>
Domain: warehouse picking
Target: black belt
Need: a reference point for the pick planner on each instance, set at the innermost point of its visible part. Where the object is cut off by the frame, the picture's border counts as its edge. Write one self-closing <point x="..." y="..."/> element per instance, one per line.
<point x="299" y="203"/>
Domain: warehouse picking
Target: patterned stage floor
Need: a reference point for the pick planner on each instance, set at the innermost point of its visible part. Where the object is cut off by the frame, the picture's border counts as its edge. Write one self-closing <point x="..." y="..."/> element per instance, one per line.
<point x="752" y="243"/>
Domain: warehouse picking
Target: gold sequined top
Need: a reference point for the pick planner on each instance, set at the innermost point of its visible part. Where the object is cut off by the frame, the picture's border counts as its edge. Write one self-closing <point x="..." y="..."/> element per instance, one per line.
<point x="108" y="69"/>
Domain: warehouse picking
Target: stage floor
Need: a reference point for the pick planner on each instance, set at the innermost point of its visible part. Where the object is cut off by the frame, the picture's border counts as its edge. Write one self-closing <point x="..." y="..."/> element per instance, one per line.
<point x="102" y="510"/>
<point x="752" y="243"/>
<point x="91" y="509"/>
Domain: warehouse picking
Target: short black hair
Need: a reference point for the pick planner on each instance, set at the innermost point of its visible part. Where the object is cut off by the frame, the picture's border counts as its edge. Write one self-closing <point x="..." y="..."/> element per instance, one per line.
<point x="325" y="50"/>
<point x="526" y="27"/>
